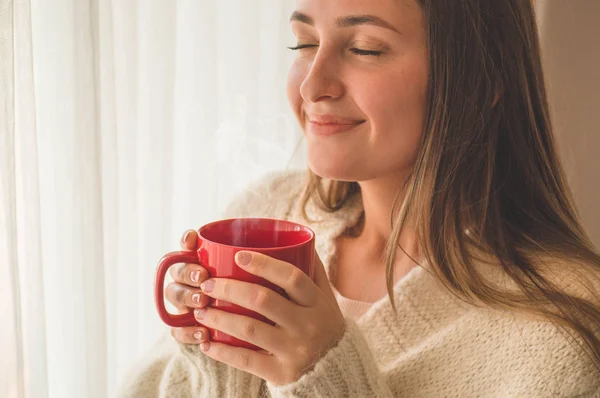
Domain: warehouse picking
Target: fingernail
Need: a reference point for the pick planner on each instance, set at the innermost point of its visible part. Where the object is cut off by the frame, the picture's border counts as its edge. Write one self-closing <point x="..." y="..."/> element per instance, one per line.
<point x="208" y="286"/>
<point x="196" y="298"/>
<point x="195" y="276"/>
<point x="199" y="313"/>
<point x="205" y="346"/>
<point x="243" y="258"/>
<point x="198" y="335"/>
<point x="185" y="237"/>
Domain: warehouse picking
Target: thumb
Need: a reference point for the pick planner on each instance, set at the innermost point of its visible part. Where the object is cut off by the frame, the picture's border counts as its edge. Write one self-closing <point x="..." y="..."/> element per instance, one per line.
<point x="189" y="240"/>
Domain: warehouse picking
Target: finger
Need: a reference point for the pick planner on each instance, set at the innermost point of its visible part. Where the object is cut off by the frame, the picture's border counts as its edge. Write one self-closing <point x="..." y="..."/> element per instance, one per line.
<point x="296" y="283"/>
<point x="182" y="296"/>
<point x="257" y="363"/>
<point x="189" y="274"/>
<point x="189" y="240"/>
<point x="242" y="327"/>
<point x="181" y="309"/>
<point x="256" y="298"/>
<point x="190" y="335"/>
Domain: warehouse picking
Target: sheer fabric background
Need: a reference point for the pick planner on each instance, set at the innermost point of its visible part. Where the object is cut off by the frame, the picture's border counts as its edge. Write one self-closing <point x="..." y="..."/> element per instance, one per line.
<point x="123" y="123"/>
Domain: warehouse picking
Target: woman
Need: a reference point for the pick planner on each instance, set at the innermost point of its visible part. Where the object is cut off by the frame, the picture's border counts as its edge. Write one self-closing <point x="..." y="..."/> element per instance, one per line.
<point x="430" y="148"/>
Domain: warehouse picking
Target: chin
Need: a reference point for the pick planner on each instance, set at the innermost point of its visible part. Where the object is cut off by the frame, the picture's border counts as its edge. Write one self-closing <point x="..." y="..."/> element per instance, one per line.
<point x="338" y="171"/>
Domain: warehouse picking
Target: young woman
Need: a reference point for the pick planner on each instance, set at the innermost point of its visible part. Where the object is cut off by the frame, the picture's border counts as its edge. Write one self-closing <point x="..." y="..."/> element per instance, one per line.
<point x="452" y="261"/>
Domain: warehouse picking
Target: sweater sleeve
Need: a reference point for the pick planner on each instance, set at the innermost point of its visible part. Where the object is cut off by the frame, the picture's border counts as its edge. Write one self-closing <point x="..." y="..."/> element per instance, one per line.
<point x="169" y="370"/>
<point x="347" y="370"/>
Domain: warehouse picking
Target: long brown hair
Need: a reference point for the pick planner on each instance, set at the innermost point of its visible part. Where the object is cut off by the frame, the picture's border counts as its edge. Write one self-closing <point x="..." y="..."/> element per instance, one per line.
<point x="487" y="182"/>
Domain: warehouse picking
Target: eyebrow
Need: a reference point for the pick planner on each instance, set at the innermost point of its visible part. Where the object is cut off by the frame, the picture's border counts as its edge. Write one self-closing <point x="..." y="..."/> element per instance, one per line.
<point x="347" y="22"/>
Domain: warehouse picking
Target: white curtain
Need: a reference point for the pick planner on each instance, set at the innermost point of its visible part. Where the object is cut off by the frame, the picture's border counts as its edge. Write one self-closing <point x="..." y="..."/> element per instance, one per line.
<point x="122" y="123"/>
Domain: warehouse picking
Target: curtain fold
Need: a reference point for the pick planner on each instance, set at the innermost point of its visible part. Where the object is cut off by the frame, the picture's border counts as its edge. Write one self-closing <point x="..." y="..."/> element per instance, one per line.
<point x="122" y="124"/>
<point x="11" y="358"/>
<point x="23" y="332"/>
<point x="30" y="258"/>
<point x="64" y="69"/>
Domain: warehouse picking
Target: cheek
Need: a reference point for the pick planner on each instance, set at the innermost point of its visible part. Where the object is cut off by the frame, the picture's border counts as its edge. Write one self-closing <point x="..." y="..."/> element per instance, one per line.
<point x="398" y="102"/>
<point x="396" y="108"/>
<point x="401" y="96"/>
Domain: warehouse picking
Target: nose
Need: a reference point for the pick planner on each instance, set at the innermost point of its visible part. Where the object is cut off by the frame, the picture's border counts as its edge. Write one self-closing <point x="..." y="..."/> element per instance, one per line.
<point x="323" y="79"/>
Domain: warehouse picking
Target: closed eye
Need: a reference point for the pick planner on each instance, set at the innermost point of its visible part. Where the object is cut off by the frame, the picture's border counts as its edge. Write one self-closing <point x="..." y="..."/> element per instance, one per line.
<point x="356" y="51"/>
<point x="301" y="46"/>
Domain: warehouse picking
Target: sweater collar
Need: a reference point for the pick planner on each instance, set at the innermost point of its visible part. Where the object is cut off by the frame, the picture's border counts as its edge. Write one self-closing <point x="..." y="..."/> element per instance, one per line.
<point x="329" y="226"/>
<point x="418" y="295"/>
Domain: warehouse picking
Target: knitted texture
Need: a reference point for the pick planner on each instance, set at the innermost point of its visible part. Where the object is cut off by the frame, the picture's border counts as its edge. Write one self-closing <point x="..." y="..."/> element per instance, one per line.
<point x="433" y="346"/>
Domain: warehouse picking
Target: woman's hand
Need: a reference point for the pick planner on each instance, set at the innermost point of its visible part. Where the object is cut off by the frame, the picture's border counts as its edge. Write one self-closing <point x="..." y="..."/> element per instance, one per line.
<point x="307" y="325"/>
<point x="185" y="294"/>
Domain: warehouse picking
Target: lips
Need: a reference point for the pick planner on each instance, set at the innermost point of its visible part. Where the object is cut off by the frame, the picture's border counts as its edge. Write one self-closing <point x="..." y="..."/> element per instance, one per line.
<point x="325" y="125"/>
<point x="332" y="120"/>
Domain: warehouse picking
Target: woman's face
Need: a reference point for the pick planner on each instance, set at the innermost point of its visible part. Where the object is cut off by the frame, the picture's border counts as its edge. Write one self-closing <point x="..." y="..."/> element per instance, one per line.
<point x="359" y="85"/>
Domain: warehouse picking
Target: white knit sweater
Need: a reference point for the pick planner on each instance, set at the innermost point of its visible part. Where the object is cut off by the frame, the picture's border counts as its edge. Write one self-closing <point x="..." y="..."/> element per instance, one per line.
<point x="434" y="346"/>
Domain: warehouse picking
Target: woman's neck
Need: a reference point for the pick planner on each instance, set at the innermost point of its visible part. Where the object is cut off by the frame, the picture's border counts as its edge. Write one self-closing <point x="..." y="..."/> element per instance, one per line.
<point x="378" y="198"/>
<point x="360" y="267"/>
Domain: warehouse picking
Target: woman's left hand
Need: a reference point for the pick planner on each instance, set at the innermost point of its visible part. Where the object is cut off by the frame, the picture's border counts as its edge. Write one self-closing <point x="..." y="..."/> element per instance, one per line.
<point x="308" y="324"/>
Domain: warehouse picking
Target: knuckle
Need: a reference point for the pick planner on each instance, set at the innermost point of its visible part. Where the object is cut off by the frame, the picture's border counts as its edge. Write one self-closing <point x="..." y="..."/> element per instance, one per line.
<point x="243" y="360"/>
<point x="296" y="279"/>
<point x="179" y="294"/>
<point x="225" y="287"/>
<point x="180" y="272"/>
<point x="249" y="330"/>
<point x="261" y="298"/>
<point x="215" y="318"/>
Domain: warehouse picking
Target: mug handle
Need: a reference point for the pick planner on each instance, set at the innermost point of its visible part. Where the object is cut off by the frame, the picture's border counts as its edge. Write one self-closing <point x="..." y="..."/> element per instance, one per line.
<point x="175" y="320"/>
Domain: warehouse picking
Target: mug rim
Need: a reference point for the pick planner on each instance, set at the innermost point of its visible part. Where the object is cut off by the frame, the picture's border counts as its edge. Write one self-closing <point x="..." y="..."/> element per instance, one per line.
<point x="303" y="227"/>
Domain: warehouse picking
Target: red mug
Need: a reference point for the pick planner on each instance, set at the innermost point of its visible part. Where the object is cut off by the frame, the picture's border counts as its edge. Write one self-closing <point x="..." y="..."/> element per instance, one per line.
<point x="218" y="242"/>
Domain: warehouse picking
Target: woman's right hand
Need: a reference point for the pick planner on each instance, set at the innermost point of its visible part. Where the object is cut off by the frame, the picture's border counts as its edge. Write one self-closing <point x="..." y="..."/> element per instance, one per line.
<point x="185" y="294"/>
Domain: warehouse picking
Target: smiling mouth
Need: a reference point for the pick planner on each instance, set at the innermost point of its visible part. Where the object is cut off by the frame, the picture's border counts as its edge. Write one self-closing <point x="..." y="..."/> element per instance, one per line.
<point x="329" y="128"/>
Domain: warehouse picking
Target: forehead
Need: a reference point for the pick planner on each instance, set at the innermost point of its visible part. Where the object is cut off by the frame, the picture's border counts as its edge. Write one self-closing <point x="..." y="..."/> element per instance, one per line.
<point x="400" y="13"/>
<point x="373" y="6"/>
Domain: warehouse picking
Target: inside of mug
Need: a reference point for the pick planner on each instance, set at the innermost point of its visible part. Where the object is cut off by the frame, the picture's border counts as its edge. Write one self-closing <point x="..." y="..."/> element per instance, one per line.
<point x="256" y="233"/>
